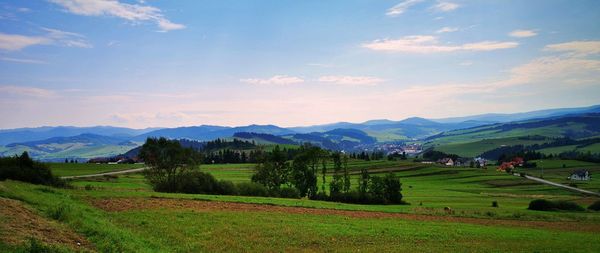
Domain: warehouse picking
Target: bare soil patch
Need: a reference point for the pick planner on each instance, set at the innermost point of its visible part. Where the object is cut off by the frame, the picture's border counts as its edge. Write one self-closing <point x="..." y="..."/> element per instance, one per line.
<point x="19" y="223"/>
<point x="126" y="204"/>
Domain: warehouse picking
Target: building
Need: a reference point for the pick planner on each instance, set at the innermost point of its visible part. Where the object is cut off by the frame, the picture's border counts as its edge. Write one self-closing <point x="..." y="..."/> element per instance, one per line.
<point x="481" y="161"/>
<point x="581" y="175"/>
<point x="446" y="161"/>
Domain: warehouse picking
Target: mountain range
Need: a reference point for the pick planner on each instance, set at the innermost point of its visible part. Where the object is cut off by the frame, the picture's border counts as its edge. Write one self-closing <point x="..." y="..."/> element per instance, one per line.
<point x="54" y="143"/>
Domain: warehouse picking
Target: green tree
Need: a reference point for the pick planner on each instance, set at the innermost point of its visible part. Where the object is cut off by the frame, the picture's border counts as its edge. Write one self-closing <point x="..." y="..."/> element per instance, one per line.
<point x="337" y="182"/>
<point x="346" y="175"/>
<point x="273" y="170"/>
<point x="167" y="163"/>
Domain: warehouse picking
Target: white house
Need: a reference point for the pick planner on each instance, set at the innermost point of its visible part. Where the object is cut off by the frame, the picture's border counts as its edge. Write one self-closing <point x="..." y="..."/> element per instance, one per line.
<point x="581" y="175"/>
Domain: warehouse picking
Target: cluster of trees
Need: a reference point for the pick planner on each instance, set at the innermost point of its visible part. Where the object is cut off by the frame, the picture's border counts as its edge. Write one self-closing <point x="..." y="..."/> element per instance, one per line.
<point x="23" y="168"/>
<point x="376" y="155"/>
<point x="225" y="144"/>
<point x="71" y="161"/>
<point x="434" y="155"/>
<point x="173" y="168"/>
<point x="396" y="156"/>
<point x="275" y="172"/>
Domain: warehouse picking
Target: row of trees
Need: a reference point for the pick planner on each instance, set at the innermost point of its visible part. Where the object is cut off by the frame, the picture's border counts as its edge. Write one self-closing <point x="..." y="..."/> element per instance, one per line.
<point x="275" y="172"/>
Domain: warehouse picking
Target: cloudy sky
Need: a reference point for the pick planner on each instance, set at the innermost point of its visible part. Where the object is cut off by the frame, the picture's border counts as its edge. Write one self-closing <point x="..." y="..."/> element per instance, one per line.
<point x="190" y="62"/>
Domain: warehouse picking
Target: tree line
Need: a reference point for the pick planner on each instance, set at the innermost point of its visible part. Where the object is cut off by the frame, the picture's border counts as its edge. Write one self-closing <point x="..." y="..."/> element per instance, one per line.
<point x="279" y="173"/>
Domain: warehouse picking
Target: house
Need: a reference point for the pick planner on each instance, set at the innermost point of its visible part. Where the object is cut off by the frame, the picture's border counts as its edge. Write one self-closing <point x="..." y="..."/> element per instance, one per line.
<point x="506" y="166"/>
<point x="481" y="161"/>
<point x="446" y="161"/>
<point x="581" y="175"/>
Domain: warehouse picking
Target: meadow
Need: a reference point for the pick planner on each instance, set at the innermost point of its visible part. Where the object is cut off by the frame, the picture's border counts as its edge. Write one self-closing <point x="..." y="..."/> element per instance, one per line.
<point x="450" y="210"/>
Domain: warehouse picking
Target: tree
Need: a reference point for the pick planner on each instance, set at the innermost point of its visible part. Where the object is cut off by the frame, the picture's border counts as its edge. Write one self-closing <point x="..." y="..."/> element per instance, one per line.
<point x="168" y="163"/>
<point x="303" y="177"/>
<point x="346" y="175"/>
<point x="392" y="188"/>
<point x="273" y="171"/>
<point x="363" y="182"/>
<point x="337" y="182"/>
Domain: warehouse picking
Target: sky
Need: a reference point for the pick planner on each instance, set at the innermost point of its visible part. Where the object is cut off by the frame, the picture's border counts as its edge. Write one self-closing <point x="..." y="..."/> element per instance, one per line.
<point x="159" y="63"/>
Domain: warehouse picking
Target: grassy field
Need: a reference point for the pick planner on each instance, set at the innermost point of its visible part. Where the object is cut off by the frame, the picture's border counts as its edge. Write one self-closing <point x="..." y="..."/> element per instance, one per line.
<point x="473" y="149"/>
<point x="122" y="214"/>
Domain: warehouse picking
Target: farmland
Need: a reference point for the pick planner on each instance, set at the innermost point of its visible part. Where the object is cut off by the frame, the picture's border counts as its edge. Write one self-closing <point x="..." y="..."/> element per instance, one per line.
<point x="122" y="213"/>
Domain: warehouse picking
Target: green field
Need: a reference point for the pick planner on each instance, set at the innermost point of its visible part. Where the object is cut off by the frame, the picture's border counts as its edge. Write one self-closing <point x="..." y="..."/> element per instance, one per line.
<point x="473" y="149"/>
<point x="122" y="214"/>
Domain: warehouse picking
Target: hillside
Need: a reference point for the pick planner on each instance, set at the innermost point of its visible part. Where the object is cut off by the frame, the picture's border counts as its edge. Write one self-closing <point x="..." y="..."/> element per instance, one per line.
<point x="206" y="133"/>
<point x="474" y="141"/>
<point x="8" y="136"/>
<point x="80" y="146"/>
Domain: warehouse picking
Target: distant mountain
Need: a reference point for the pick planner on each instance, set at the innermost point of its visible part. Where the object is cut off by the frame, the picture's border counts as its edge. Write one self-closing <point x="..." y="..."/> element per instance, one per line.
<point x="262" y="138"/>
<point x="336" y="139"/>
<point x="40" y="133"/>
<point x="507" y="117"/>
<point x="79" y="146"/>
<point x="207" y="133"/>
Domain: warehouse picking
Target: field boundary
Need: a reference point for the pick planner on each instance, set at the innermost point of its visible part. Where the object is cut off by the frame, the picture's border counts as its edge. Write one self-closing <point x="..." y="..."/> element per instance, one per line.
<point x="559" y="185"/>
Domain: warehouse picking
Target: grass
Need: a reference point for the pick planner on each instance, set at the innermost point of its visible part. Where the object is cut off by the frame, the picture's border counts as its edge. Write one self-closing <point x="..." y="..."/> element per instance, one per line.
<point x="473" y="149"/>
<point x="468" y="192"/>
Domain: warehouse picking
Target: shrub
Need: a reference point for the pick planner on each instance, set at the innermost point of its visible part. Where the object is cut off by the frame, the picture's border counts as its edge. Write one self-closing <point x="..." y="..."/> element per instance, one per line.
<point x="225" y="187"/>
<point x="60" y="212"/>
<point x="287" y="192"/>
<point x="35" y="246"/>
<point x="494" y="203"/>
<point x="567" y="206"/>
<point x="252" y="189"/>
<point x="595" y="206"/>
<point x="23" y="168"/>
<point x="547" y="205"/>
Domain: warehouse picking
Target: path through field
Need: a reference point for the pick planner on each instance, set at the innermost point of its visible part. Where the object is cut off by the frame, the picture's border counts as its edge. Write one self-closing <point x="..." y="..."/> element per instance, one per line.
<point x="560" y="185"/>
<point x="107" y="173"/>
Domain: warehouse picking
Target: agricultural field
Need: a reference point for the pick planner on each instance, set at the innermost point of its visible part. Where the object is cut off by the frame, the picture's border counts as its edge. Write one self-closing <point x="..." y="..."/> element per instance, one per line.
<point x="450" y="209"/>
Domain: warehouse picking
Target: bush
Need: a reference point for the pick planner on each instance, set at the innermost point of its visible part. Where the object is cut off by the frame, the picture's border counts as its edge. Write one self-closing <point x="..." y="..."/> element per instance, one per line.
<point x="287" y="192"/>
<point x="23" y="168"/>
<point x="494" y="203"/>
<point x="60" y="212"/>
<point x="252" y="189"/>
<point x="547" y="205"/>
<point x="595" y="206"/>
<point x="541" y="205"/>
<point x="225" y="187"/>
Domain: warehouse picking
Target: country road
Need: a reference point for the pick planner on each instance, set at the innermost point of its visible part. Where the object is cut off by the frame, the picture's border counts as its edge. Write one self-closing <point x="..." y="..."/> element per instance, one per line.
<point x="537" y="179"/>
<point x="106" y="173"/>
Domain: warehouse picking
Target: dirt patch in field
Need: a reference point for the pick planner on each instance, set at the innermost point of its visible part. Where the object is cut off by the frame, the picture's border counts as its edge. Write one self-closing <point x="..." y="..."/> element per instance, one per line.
<point x="125" y="204"/>
<point x="19" y="223"/>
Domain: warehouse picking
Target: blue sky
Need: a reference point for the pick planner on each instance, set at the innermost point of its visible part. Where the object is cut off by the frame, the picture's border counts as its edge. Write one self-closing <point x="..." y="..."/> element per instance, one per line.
<point x="175" y="63"/>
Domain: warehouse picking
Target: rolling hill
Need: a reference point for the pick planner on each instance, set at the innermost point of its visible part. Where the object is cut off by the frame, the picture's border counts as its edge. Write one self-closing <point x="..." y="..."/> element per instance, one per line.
<point x="80" y="146"/>
<point x="474" y="141"/>
<point x="8" y="136"/>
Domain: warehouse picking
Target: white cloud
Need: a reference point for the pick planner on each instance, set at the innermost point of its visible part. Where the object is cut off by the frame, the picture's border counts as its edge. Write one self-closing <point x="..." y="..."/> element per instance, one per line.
<point x="19" y="60"/>
<point x="14" y="42"/>
<point x="429" y="44"/>
<point x="579" y="48"/>
<point x="523" y="33"/>
<point x="400" y="8"/>
<point x="131" y="12"/>
<point x="445" y="6"/>
<point x="447" y="29"/>
<point x="351" y="80"/>
<point x="275" y="80"/>
<point x="466" y="63"/>
<point x="26" y="91"/>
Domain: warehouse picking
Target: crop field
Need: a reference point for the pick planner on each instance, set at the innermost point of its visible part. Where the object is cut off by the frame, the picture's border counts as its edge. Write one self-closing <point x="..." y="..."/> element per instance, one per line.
<point x="122" y="214"/>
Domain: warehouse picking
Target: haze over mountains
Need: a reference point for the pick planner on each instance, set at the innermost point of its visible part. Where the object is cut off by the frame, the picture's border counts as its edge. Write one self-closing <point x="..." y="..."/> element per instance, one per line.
<point x="55" y="143"/>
